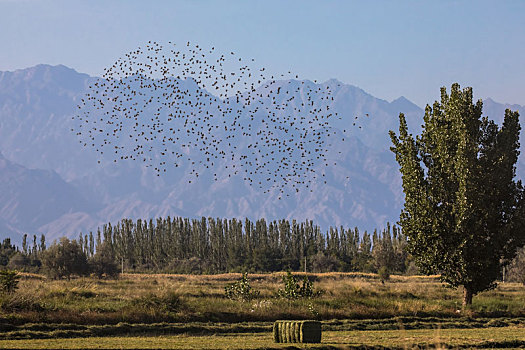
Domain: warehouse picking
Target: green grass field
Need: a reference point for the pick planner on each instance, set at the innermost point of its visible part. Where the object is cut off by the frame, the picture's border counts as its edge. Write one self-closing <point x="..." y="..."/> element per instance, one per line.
<point x="179" y="311"/>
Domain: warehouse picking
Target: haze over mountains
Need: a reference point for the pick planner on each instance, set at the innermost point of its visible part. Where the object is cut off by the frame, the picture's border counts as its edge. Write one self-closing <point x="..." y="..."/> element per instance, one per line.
<point x="50" y="184"/>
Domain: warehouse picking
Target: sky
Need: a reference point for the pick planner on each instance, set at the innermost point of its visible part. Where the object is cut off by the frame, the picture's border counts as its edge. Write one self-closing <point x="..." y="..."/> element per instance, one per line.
<point x="388" y="48"/>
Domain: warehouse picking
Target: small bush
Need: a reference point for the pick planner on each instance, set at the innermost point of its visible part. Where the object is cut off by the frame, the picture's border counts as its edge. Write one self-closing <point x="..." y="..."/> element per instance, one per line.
<point x="169" y="302"/>
<point x="292" y="290"/>
<point x="313" y="311"/>
<point x="241" y="290"/>
<point x="64" y="259"/>
<point x="18" y="302"/>
<point x="383" y="273"/>
<point x="103" y="263"/>
<point x="9" y="281"/>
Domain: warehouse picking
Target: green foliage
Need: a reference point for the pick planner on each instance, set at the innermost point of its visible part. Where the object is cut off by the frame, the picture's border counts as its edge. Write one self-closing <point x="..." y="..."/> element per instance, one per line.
<point x="463" y="212"/>
<point x="516" y="270"/>
<point x="313" y="310"/>
<point x="7" y="250"/>
<point x="64" y="259"/>
<point x="383" y="273"/>
<point x="190" y="266"/>
<point x="292" y="289"/>
<point x="103" y="263"/>
<point x="241" y="290"/>
<point x="209" y="245"/>
<point x="265" y="259"/>
<point x="363" y="257"/>
<point x="9" y="281"/>
<point x="321" y="262"/>
<point x="19" y="261"/>
<point x="389" y="251"/>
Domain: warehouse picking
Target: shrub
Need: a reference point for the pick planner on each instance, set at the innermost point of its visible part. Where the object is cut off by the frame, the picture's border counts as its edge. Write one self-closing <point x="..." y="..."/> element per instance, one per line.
<point x="103" y="263"/>
<point x="383" y="273"/>
<point x="64" y="259"/>
<point x="292" y="290"/>
<point x="9" y="281"/>
<point x="19" y="302"/>
<point x="240" y="290"/>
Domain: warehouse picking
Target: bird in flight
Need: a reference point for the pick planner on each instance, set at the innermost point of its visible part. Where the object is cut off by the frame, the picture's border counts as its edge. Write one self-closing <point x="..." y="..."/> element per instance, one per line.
<point x="209" y="112"/>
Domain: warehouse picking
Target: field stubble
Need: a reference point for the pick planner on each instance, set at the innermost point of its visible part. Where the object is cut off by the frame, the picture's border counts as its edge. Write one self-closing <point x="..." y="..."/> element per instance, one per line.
<point x="195" y="306"/>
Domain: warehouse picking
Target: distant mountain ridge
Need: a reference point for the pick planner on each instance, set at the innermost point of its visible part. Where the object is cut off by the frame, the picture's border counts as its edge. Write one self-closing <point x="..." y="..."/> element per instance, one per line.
<point x="73" y="193"/>
<point x="31" y="198"/>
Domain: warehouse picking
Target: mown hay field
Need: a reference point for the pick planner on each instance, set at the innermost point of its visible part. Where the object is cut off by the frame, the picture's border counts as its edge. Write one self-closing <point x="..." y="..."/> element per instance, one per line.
<point x="507" y="337"/>
<point x="188" y="311"/>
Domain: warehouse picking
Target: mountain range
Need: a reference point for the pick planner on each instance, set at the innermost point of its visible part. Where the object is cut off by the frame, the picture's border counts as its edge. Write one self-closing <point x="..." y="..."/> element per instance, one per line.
<point x="51" y="184"/>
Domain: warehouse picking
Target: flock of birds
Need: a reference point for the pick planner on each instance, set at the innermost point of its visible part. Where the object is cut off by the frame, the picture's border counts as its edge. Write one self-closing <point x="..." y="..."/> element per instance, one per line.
<point x="209" y="112"/>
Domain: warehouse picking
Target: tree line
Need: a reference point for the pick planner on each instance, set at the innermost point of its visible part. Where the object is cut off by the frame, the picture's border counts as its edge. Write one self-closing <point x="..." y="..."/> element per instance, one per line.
<point x="209" y="245"/>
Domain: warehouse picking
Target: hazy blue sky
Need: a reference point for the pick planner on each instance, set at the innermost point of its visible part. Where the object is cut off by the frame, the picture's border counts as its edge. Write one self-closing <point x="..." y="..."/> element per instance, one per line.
<point x="388" y="48"/>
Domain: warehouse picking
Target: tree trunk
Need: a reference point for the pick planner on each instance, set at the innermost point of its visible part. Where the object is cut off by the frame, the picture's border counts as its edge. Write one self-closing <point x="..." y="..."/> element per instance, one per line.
<point x="467" y="296"/>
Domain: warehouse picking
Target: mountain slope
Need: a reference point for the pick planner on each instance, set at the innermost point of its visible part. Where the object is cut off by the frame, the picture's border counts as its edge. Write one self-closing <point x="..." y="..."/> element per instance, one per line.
<point x="36" y="109"/>
<point x="32" y="198"/>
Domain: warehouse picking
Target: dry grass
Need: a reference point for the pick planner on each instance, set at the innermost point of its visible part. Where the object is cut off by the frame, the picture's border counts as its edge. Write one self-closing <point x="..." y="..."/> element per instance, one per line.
<point x="202" y="298"/>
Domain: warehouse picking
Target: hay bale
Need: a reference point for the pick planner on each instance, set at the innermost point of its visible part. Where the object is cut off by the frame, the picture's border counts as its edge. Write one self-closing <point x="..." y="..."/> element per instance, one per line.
<point x="297" y="331"/>
<point x="293" y="332"/>
<point x="311" y="332"/>
<point x="276" y="335"/>
<point x="289" y="333"/>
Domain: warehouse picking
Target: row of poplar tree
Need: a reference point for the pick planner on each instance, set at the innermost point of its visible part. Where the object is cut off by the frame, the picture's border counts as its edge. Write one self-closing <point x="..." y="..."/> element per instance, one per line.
<point x="208" y="245"/>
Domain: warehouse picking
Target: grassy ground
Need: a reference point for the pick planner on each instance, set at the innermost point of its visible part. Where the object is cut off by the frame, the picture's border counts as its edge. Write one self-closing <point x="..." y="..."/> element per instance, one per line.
<point x="179" y="311"/>
<point x="181" y="298"/>
<point x="508" y="337"/>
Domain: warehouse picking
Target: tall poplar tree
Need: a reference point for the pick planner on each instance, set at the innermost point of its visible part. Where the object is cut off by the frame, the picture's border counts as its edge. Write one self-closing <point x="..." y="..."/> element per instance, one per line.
<point x="463" y="211"/>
